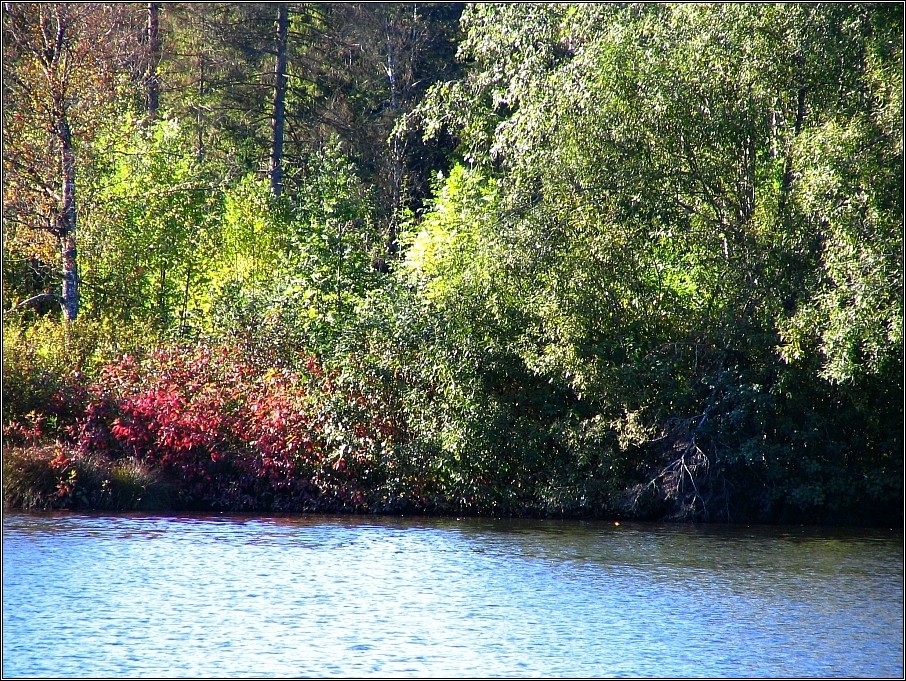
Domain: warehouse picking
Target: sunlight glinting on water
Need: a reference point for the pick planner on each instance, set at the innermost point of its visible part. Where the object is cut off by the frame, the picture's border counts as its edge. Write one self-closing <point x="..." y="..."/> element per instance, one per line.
<point x="326" y="596"/>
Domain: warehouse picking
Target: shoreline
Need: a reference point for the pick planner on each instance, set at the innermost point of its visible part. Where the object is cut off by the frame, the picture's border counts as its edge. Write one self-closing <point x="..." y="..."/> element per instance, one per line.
<point x="148" y="492"/>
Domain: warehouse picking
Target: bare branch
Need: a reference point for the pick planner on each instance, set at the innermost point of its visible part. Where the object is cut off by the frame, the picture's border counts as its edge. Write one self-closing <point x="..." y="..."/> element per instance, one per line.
<point x="34" y="300"/>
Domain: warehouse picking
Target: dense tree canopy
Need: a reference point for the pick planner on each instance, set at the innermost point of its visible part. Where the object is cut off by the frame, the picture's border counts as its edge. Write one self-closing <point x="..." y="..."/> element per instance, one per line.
<point x="641" y="259"/>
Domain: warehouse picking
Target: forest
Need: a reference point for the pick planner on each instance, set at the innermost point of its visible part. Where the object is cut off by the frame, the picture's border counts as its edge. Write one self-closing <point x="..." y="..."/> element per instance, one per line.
<point x="613" y="260"/>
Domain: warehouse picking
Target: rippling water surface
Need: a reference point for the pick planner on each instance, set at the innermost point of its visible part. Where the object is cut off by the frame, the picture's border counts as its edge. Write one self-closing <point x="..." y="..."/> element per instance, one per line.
<point x="229" y="596"/>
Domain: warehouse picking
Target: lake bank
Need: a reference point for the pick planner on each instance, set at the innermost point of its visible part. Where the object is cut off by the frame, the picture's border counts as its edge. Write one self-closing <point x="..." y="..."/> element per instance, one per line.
<point x="50" y="477"/>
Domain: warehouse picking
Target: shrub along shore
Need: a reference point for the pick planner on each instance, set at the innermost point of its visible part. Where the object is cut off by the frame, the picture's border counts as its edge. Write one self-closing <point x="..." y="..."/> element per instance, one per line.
<point x="206" y="428"/>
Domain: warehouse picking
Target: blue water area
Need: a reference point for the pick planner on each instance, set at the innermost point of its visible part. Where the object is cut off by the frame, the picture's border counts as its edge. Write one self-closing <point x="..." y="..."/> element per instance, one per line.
<point x="240" y="596"/>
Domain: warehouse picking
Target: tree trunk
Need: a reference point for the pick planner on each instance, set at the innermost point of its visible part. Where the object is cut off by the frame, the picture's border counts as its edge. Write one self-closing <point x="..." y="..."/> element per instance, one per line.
<point x="786" y="182"/>
<point x="279" y="114"/>
<point x="396" y="154"/>
<point x="152" y="80"/>
<point x="66" y="225"/>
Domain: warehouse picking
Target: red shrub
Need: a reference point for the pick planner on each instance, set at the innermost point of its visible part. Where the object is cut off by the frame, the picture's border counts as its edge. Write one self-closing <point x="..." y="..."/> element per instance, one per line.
<point x="236" y="439"/>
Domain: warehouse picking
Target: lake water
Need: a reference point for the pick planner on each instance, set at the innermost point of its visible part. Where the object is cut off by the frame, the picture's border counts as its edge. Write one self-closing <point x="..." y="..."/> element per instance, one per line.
<point x="232" y="596"/>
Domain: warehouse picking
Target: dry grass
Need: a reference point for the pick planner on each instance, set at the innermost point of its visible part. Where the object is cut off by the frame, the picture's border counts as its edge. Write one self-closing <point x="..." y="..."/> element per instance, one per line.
<point x="48" y="477"/>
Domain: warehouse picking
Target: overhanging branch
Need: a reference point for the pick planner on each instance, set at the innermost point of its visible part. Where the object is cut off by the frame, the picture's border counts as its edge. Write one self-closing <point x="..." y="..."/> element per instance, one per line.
<point x="40" y="298"/>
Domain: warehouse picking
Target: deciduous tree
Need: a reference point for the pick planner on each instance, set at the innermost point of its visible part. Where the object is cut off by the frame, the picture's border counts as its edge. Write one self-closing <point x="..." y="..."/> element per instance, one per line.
<point x="60" y="80"/>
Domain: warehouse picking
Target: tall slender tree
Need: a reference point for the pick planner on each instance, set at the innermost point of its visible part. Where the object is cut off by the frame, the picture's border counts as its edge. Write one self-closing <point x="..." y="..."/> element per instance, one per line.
<point x="152" y="79"/>
<point x="63" y="74"/>
<point x="278" y="119"/>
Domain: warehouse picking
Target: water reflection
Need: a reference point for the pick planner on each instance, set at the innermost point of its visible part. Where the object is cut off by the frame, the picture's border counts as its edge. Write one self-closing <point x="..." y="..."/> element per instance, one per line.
<point x="89" y="595"/>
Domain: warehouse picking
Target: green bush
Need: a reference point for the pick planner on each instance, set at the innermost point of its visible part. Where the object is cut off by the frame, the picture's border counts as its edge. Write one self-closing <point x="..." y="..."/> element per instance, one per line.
<point x="47" y="365"/>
